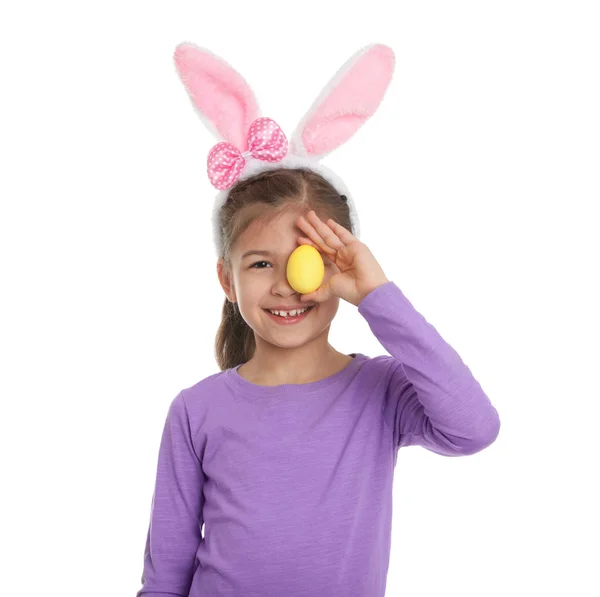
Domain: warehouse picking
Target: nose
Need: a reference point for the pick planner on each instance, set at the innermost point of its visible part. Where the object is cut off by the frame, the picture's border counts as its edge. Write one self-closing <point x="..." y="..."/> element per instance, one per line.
<point x="281" y="285"/>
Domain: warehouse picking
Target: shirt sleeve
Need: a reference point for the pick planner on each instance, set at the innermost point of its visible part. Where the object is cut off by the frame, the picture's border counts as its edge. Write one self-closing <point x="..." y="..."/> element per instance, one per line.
<point x="431" y="397"/>
<point x="174" y="531"/>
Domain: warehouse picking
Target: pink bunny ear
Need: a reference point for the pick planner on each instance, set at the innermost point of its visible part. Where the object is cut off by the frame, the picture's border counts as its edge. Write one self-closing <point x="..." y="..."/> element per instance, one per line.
<point x="225" y="102"/>
<point x="346" y="103"/>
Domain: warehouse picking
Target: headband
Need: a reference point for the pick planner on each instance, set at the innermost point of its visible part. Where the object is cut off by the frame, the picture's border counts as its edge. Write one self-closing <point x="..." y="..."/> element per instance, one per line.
<point x="250" y="144"/>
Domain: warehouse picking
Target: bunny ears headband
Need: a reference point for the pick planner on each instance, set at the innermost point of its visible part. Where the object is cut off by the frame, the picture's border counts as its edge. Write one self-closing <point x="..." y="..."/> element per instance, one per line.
<point x="249" y="143"/>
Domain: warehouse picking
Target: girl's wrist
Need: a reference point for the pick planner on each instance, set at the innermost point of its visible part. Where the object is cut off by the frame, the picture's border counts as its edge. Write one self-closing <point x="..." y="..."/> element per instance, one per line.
<point x="371" y="288"/>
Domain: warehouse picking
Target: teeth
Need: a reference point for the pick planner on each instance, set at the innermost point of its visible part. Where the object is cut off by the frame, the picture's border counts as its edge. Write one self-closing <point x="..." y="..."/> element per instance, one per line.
<point x="288" y="313"/>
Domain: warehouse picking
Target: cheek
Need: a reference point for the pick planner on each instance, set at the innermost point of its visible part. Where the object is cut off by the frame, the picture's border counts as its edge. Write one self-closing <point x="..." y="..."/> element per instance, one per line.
<point x="252" y="289"/>
<point x="328" y="309"/>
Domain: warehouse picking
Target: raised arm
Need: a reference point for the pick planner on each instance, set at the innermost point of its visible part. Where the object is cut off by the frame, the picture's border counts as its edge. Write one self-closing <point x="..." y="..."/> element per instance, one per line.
<point x="431" y="397"/>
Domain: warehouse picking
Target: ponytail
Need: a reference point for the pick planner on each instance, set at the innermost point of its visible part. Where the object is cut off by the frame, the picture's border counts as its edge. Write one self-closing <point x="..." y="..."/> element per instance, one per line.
<point x="235" y="341"/>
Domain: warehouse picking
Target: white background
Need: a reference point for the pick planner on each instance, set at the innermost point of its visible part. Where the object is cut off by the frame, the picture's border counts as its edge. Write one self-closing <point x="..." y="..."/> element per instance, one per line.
<point x="477" y="183"/>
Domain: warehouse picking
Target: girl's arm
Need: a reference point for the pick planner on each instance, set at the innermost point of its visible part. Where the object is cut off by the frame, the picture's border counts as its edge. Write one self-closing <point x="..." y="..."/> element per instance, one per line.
<point x="174" y="532"/>
<point x="431" y="397"/>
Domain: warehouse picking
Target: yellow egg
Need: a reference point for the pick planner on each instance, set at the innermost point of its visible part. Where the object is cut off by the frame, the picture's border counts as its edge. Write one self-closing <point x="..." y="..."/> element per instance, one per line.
<point x="305" y="269"/>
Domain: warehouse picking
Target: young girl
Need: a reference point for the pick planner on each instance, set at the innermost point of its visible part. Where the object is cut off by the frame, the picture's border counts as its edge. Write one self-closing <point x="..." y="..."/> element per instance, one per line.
<point x="287" y="455"/>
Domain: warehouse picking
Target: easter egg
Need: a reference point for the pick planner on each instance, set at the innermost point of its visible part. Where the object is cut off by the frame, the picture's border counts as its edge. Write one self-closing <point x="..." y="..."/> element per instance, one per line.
<point x="305" y="269"/>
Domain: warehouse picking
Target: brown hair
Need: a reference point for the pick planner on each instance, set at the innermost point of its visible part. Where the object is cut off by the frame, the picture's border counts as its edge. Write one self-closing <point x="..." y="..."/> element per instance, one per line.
<point x="262" y="197"/>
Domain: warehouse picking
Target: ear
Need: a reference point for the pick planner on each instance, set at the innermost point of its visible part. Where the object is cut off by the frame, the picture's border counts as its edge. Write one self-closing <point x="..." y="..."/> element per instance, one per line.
<point x="223" y="99"/>
<point x="226" y="282"/>
<point x="350" y="98"/>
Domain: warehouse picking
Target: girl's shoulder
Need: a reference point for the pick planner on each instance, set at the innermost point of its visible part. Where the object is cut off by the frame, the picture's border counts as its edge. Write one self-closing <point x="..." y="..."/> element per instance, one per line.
<point x="381" y="364"/>
<point x="207" y="387"/>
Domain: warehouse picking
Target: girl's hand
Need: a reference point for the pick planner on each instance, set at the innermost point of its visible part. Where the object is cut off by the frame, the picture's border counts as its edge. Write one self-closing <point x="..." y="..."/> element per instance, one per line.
<point x="360" y="273"/>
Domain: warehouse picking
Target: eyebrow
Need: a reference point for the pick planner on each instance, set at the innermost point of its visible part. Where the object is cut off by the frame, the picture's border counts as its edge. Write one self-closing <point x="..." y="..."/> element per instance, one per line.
<point x="256" y="252"/>
<point x="270" y="253"/>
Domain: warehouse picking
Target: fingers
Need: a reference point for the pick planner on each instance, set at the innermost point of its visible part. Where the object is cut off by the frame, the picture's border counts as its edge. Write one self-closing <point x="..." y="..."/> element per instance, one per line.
<point x="320" y="233"/>
<point x="343" y="233"/>
<point x="306" y="241"/>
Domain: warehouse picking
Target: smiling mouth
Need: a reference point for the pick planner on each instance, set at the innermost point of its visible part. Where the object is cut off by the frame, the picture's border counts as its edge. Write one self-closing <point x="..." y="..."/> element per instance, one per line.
<point x="289" y="316"/>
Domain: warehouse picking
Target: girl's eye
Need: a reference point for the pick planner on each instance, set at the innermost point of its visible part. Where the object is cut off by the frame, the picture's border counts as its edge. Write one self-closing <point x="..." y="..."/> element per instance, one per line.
<point x="252" y="266"/>
<point x="326" y="262"/>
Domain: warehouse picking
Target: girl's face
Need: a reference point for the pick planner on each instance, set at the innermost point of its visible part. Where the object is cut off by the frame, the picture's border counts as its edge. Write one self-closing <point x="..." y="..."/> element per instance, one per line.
<point x="260" y="282"/>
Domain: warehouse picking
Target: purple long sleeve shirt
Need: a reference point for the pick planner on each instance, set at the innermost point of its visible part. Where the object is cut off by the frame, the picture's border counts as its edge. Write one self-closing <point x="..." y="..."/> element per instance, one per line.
<point x="294" y="482"/>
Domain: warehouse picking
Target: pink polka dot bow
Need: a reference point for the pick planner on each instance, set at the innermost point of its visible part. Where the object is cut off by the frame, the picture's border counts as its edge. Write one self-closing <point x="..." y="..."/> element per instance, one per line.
<point x="265" y="141"/>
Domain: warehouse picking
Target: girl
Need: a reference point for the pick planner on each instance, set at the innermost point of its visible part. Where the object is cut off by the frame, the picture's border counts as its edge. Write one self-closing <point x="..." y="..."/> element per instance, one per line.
<point x="287" y="455"/>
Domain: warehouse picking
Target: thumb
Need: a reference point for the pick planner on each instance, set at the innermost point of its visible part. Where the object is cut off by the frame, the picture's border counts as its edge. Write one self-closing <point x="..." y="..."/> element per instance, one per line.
<point x="319" y="295"/>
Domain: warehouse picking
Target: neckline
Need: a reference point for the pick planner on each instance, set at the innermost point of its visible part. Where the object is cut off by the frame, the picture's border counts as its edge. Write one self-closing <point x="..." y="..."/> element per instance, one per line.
<point x="288" y="391"/>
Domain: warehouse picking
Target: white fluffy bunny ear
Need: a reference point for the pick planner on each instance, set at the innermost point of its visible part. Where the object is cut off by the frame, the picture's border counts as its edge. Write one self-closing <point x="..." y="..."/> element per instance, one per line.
<point x="350" y="98"/>
<point x="223" y="99"/>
